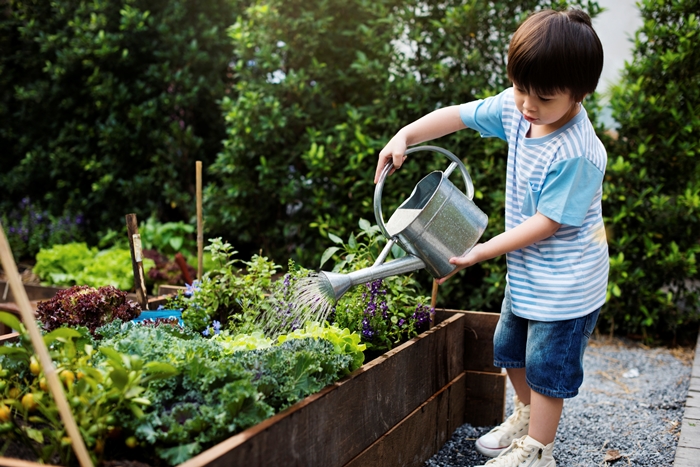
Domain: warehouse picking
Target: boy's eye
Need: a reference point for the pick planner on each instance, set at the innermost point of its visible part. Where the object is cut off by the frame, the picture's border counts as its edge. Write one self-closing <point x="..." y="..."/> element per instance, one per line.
<point x="544" y="99"/>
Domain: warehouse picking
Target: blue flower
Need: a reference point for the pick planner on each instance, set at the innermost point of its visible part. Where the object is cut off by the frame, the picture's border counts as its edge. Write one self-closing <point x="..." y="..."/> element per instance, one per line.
<point x="190" y="289"/>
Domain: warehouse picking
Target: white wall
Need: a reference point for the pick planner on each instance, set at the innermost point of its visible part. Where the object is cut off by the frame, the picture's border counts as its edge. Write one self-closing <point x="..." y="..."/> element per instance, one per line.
<point x="616" y="27"/>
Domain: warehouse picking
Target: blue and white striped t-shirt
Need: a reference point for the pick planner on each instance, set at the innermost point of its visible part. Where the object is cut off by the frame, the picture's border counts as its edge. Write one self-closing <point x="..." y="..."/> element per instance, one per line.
<point x="560" y="175"/>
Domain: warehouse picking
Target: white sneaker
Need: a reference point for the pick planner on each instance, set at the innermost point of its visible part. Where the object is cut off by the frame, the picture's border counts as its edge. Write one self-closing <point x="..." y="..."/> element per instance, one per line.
<point x="497" y="440"/>
<point x="524" y="452"/>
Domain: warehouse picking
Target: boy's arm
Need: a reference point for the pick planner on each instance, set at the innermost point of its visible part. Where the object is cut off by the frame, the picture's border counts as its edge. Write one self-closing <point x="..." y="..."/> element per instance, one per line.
<point x="438" y="123"/>
<point x="536" y="228"/>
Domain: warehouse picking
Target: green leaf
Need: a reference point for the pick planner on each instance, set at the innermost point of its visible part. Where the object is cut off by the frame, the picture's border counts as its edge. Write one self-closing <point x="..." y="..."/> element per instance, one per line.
<point x="114" y="357"/>
<point x="335" y="239"/>
<point x="4" y="350"/>
<point x="10" y="321"/>
<point x="119" y="377"/>
<point x="328" y="254"/>
<point x="61" y="333"/>
<point x="34" y="434"/>
<point x="179" y="454"/>
<point x="159" y="369"/>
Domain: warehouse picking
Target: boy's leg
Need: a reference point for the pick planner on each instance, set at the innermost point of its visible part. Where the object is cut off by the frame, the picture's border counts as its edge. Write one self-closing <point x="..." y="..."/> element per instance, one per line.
<point x="519" y="382"/>
<point x="545" y="413"/>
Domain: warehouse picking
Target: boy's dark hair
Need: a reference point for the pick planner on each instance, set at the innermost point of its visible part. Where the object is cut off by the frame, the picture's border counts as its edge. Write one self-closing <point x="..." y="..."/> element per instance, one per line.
<point x="556" y="51"/>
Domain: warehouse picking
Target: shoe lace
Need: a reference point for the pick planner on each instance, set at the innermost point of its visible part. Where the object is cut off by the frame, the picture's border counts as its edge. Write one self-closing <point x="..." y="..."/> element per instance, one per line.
<point x="518" y="452"/>
<point x="511" y="421"/>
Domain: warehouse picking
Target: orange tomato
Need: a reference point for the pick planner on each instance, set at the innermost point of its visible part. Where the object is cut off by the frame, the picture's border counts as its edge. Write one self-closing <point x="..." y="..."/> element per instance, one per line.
<point x="5" y="413"/>
<point x="28" y="402"/>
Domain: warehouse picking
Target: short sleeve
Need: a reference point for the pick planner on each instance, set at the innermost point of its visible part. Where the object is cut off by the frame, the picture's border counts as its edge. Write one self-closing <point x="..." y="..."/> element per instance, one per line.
<point x="485" y="115"/>
<point x="568" y="190"/>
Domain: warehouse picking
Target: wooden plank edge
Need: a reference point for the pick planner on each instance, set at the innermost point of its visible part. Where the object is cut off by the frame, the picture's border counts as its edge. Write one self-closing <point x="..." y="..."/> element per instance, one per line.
<point x="425" y="417"/>
<point x="12" y="462"/>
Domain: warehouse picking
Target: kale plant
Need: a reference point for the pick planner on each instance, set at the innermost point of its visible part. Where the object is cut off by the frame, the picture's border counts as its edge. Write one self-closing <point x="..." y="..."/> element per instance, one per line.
<point x="216" y="393"/>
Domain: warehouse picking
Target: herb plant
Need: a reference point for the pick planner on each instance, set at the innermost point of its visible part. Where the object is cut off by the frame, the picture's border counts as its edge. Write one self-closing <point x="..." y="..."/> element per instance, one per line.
<point x="384" y="312"/>
<point x="229" y="293"/>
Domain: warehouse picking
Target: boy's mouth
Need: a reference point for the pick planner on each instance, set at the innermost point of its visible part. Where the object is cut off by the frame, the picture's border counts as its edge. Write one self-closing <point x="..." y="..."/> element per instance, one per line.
<point x="529" y="119"/>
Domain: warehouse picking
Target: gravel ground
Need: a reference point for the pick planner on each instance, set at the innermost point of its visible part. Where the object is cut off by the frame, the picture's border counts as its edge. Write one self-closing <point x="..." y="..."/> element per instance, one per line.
<point x="628" y="411"/>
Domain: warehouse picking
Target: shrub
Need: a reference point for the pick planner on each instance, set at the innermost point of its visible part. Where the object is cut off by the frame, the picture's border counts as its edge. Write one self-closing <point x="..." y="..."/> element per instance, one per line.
<point x="106" y="105"/>
<point x="318" y="95"/>
<point x="652" y="185"/>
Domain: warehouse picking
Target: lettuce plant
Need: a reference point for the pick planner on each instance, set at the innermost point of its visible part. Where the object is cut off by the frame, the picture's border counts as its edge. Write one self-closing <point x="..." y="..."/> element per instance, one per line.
<point x="86" y="306"/>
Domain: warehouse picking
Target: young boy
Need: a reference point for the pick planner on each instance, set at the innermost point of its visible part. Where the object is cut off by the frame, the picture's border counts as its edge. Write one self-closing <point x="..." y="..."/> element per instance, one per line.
<point x="554" y="239"/>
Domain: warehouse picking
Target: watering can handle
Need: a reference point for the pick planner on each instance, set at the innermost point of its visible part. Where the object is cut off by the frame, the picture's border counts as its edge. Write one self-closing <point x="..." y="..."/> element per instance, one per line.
<point x="456" y="162"/>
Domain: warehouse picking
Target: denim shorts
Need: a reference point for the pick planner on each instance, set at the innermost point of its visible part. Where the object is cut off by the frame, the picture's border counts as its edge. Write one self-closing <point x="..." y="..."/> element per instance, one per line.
<point x="550" y="351"/>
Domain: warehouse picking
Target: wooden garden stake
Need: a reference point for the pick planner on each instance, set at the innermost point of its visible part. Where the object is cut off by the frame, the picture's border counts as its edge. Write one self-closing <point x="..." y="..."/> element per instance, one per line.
<point x="433" y="299"/>
<point x="200" y="222"/>
<point x="55" y="387"/>
<point x="137" y="260"/>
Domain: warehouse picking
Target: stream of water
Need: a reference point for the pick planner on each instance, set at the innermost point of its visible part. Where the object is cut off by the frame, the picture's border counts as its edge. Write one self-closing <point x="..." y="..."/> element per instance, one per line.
<point x="307" y="302"/>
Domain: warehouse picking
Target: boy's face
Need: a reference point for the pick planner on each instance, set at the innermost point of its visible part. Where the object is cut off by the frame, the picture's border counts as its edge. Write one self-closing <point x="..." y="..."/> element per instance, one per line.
<point x="549" y="112"/>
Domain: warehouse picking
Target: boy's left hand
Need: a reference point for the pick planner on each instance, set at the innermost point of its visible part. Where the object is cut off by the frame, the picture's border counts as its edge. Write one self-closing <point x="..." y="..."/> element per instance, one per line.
<point x="469" y="259"/>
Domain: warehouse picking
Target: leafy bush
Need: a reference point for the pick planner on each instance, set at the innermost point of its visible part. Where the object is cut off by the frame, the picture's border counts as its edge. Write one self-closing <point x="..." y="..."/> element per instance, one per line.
<point x="217" y="393"/>
<point x="384" y="312"/>
<point x="652" y="184"/>
<point x="29" y="228"/>
<point x="229" y="293"/>
<point x="311" y="110"/>
<point x="106" y="105"/>
<point x="87" y="307"/>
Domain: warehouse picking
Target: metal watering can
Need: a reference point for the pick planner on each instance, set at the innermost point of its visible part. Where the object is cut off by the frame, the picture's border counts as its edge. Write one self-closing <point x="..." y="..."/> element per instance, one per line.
<point x="435" y="223"/>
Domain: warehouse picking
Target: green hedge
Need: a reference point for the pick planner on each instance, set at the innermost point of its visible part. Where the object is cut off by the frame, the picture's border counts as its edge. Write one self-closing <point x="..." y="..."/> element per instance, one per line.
<point x="106" y="105"/>
<point x="652" y="185"/>
<point x="318" y="94"/>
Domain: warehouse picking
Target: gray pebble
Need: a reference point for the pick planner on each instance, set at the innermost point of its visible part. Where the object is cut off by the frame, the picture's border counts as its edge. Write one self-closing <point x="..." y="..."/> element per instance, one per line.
<point x="636" y="413"/>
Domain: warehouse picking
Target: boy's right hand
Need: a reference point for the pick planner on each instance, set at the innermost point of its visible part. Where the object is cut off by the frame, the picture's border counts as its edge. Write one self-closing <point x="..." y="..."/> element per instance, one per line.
<point x="393" y="152"/>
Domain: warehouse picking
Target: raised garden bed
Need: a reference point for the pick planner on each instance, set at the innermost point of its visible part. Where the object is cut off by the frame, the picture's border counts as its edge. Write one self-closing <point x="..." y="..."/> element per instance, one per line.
<point x="398" y="409"/>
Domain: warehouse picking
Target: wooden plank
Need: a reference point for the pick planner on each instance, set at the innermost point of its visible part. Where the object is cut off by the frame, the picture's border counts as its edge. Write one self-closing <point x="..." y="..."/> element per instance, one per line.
<point x="10" y="462"/>
<point x="694" y="384"/>
<point x="687" y="457"/>
<point x="480" y="328"/>
<point x="12" y="337"/>
<point x="132" y="228"/>
<point x="165" y="289"/>
<point x="34" y="292"/>
<point x="333" y="426"/>
<point x="690" y="434"/>
<point x="421" y="434"/>
<point x="692" y="413"/>
<point x="486" y="398"/>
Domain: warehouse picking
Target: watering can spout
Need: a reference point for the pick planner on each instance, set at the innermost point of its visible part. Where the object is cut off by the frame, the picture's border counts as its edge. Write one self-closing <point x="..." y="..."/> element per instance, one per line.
<point x="335" y="285"/>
